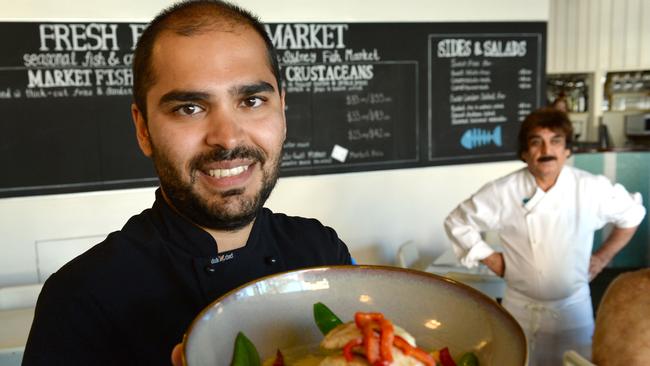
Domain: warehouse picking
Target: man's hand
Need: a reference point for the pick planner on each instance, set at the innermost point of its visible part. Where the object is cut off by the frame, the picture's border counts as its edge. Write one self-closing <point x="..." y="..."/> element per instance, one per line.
<point x="177" y="355"/>
<point x="612" y="245"/>
<point x="496" y="263"/>
<point x="596" y="265"/>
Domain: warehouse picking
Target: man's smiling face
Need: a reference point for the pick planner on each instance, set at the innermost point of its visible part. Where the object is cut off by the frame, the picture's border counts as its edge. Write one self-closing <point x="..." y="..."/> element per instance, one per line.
<point x="215" y="125"/>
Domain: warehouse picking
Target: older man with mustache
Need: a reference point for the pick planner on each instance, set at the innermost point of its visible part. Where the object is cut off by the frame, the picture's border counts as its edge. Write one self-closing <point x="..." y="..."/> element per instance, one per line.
<point x="546" y="214"/>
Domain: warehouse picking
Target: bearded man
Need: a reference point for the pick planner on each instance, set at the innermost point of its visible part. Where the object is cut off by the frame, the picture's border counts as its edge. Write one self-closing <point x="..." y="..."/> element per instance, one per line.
<point x="209" y="111"/>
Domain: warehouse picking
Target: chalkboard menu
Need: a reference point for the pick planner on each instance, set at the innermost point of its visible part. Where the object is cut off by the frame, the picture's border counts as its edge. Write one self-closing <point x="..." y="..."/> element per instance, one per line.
<point x="489" y="82"/>
<point x="360" y="96"/>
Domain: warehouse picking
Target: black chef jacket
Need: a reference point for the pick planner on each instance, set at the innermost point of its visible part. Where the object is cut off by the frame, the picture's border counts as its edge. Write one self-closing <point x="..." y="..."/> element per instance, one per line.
<point x="129" y="299"/>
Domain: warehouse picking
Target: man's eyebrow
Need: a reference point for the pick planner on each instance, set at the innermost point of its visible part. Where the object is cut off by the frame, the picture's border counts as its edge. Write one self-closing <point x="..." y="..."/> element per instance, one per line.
<point x="250" y="89"/>
<point x="183" y="96"/>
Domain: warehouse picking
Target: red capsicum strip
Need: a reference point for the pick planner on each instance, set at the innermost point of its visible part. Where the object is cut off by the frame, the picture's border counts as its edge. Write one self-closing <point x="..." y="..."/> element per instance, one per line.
<point x="387" y="337"/>
<point x="445" y="358"/>
<point x="368" y="323"/>
<point x="416" y="352"/>
<point x="371" y="343"/>
<point x="362" y="318"/>
<point x="347" y="349"/>
<point x="279" y="359"/>
<point x="378" y="347"/>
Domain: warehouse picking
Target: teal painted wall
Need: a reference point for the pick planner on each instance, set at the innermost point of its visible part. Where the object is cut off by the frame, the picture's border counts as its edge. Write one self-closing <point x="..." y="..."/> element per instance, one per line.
<point x="633" y="172"/>
<point x="592" y="162"/>
<point x="595" y="164"/>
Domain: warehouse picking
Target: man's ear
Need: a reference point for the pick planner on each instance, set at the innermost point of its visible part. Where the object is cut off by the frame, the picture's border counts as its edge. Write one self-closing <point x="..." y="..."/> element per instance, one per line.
<point x="141" y="130"/>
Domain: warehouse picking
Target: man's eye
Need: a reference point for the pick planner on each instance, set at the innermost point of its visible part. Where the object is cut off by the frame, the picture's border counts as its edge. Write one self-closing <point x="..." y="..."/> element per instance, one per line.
<point x="252" y="102"/>
<point x="188" y="109"/>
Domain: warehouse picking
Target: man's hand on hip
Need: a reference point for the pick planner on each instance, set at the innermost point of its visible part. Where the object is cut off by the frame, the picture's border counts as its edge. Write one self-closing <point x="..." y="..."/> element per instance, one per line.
<point x="596" y="265"/>
<point x="496" y="263"/>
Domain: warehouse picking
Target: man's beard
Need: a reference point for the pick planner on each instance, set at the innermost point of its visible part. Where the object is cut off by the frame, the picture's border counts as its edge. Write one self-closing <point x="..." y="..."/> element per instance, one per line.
<point x="203" y="212"/>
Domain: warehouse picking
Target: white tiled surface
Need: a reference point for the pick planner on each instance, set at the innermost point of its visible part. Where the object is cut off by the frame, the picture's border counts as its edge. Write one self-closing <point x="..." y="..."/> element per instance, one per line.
<point x="52" y="254"/>
<point x="479" y="278"/>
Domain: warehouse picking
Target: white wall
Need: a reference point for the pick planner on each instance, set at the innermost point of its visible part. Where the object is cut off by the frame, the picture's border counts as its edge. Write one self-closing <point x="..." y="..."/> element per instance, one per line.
<point x="595" y="37"/>
<point x="373" y="212"/>
<point x="591" y="35"/>
<point x="292" y="10"/>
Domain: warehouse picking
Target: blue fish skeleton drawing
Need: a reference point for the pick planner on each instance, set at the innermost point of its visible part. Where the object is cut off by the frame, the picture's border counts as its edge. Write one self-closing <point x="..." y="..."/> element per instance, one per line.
<point x="475" y="137"/>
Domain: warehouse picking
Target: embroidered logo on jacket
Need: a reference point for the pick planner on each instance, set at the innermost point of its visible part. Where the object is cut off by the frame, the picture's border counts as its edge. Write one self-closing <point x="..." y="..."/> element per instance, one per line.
<point x="222" y="258"/>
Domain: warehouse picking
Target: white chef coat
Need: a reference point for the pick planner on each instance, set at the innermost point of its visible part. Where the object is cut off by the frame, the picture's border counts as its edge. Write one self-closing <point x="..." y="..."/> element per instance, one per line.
<point x="547" y="240"/>
<point x="546" y="236"/>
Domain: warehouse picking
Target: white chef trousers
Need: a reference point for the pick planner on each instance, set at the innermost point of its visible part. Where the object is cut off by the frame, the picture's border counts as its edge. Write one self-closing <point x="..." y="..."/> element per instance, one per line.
<point x="553" y="327"/>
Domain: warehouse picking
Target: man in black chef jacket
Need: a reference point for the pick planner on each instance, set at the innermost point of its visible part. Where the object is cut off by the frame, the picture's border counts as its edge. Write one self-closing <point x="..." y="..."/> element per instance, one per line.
<point x="209" y="111"/>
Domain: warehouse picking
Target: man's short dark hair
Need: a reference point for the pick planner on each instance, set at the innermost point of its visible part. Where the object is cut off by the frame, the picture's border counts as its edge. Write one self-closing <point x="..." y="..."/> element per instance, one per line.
<point x="550" y="118"/>
<point x="188" y="18"/>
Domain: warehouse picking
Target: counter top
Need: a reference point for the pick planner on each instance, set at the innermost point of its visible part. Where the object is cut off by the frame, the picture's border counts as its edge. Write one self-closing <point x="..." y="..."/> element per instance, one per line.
<point x="479" y="278"/>
<point x="596" y="149"/>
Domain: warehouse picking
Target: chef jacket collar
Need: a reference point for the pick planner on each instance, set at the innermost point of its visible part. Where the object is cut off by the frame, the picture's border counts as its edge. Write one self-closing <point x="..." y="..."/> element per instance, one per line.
<point x="537" y="194"/>
<point x="186" y="234"/>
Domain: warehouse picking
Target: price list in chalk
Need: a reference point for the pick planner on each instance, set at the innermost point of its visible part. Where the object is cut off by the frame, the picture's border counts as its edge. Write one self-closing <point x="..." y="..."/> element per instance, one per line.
<point x="79" y="60"/>
<point x="489" y="82"/>
<point x="346" y="106"/>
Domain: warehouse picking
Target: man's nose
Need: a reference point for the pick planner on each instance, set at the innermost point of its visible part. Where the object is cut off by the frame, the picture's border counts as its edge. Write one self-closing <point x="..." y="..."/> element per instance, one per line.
<point x="223" y="129"/>
<point x="544" y="148"/>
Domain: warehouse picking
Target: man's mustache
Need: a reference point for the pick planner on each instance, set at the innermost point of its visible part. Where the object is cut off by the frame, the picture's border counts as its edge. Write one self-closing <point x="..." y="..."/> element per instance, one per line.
<point x="545" y="158"/>
<point x="221" y="154"/>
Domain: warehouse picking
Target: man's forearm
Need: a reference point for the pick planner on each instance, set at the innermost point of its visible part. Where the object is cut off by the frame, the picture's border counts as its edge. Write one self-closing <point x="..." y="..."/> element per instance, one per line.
<point x="614" y="243"/>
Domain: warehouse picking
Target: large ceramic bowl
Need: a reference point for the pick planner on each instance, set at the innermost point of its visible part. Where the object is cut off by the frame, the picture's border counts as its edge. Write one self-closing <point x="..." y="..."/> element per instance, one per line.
<point x="276" y="312"/>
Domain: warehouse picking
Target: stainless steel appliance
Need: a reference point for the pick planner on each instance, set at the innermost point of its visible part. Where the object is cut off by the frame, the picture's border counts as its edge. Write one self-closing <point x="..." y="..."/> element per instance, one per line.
<point x="637" y="125"/>
<point x="637" y="129"/>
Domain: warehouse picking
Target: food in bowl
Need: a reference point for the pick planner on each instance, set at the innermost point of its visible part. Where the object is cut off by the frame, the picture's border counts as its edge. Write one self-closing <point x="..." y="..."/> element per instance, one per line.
<point x="370" y="339"/>
<point x="276" y="312"/>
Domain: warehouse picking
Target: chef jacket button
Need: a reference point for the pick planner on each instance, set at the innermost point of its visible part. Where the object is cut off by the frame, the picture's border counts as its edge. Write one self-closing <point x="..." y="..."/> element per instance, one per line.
<point x="209" y="269"/>
<point x="270" y="260"/>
